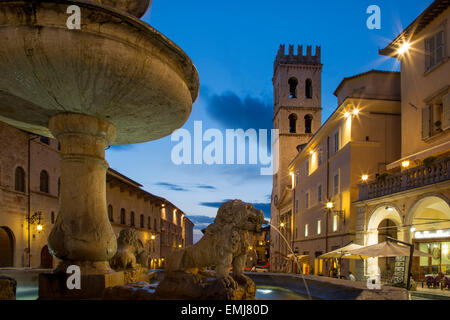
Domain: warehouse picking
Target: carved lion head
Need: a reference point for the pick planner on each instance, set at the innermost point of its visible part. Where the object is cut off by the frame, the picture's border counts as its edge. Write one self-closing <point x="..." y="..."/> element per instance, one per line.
<point x="243" y="215"/>
<point x="128" y="237"/>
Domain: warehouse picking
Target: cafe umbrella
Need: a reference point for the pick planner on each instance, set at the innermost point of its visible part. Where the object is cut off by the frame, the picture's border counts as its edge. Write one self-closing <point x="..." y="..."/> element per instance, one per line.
<point x="344" y="253"/>
<point x="392" y="248"/>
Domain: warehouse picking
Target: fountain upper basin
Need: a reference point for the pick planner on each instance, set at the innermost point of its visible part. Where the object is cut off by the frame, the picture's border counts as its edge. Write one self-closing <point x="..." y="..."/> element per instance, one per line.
<point x="116" y="68"/>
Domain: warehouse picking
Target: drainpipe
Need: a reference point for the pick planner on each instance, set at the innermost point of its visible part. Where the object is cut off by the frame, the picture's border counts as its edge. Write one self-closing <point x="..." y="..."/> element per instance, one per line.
<point x="29" y="197"/>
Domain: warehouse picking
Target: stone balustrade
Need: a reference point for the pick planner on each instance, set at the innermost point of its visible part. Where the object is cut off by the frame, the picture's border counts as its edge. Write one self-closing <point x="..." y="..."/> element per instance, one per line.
<point x="413" y="178"/>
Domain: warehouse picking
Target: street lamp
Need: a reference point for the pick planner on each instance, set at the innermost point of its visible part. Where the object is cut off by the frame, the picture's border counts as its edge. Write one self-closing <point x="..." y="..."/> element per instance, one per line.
<point x="330" y="205"/>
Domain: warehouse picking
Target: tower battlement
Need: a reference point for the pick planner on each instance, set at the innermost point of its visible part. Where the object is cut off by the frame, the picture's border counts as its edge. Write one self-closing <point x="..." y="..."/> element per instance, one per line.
<point x="290" y="57"/>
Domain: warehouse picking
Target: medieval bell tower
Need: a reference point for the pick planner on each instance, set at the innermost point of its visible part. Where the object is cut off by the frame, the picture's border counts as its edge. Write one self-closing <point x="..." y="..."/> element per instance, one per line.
<point x="297" y="82"/>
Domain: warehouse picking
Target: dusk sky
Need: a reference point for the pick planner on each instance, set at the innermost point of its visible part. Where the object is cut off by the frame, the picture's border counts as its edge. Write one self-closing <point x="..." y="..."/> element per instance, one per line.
<point x="233" y="45"/>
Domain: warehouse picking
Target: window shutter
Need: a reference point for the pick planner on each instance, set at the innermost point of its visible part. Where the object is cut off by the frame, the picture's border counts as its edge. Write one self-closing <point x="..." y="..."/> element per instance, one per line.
<point x="427" y="54"/>
<point x="426" y="122"/>
<point x="446" y="112"/>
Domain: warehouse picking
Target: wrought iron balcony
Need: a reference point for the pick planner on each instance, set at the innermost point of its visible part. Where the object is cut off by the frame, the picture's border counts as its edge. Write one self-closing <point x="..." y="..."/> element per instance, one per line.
<point x="413" y="178"/>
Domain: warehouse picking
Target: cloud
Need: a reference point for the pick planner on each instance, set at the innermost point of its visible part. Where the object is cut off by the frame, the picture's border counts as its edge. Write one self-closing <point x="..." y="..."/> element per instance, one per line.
<point x="171" y="186"/>
<point x="235" y="112"/>
<point x="184" y="188"/>
<point x="264" y="207"/>
<point x="206" y="187"/>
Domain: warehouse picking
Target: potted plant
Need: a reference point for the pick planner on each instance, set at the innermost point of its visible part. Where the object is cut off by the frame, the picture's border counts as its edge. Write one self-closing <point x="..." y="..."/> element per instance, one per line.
<point x="438" y="125"/>
<point x="427" y="162"/>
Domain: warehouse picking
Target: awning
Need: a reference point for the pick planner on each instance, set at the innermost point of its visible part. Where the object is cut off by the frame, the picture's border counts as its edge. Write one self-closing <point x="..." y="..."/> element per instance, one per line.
<point x="344" y="253"/>
<point x="388" y="249"/>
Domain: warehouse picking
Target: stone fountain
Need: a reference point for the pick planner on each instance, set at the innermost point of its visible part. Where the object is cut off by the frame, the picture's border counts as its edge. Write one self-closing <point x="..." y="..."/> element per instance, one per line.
<point x="116" y="80"/>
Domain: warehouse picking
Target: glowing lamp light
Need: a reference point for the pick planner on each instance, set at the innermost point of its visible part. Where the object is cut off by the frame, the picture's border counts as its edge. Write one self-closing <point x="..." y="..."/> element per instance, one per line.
<point x="330" y="205"/>
<point x="250" y="248"/>
<point x="355" y="112"/>
<point x="153" y="237"/>
<point x="404" y="48"/>
<point x="39" y="227"/>
<point x="347" y="114"/>
<point x="413" y="229"/>
<point x="365" y="178"/>
<point x="406" y="164"/>
<point x="179" y="246"/>
<point x="282" y="224"/>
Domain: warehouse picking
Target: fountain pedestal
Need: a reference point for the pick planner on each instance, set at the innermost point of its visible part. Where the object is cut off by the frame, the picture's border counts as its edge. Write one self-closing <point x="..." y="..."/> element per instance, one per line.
<point x="82" y="235"/>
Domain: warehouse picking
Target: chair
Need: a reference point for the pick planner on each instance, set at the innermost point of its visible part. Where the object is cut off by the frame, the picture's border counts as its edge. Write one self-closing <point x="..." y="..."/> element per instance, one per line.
<point x="429" y="280"/>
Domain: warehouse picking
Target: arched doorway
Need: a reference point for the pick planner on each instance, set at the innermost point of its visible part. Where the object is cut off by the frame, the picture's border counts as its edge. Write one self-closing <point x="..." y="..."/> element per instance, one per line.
<point x="385" y="221"/>
<point x="6" y="247"/>
<point x="429" y="221"/>
<point x="387" y="228"/>
<point x="46" y="258"/>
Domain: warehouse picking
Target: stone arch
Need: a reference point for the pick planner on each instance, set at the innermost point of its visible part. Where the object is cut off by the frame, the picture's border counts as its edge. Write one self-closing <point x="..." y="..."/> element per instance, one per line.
<point x="7" y="247"/>
<point x="308" y="123"/>
<point x="383" y="212"/>
<point x="422" y="201"/>
<point x="293" y="84"/>
<point x="293" y="123"/>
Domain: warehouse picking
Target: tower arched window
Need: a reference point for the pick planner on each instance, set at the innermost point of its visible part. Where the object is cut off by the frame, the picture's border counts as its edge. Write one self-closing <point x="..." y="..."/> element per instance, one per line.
<point x="110" y="213"/>
<point x="293" y="123"/>
<point x="132" y="219"/>
<point x="308" y="123"/>
<point x="19" y="179"/>
<point x="293" y="83"/>
<point x="308" y="89"/>
<point x="122" y="216"/>
<point x="43" y="186"/>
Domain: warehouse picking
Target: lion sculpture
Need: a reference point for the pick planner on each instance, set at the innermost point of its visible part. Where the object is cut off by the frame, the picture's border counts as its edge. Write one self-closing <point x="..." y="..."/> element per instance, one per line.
<point x="225" y="243"/>
<point x="130" y="251"/>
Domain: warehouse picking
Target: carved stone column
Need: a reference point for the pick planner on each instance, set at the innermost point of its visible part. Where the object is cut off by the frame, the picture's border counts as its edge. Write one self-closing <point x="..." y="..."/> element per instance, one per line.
<point x="82" y="234"/>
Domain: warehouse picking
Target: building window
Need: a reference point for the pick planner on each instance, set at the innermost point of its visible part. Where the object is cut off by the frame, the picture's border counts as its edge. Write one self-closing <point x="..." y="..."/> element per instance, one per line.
<point x="293" y="123"/>
<point x="319" y="193"/>
<point x="45" y="140"/>
<point x="132" y="219"/>
<point x="434" y="50"/>
<point x="293" y="83"/>
<point x="320" y="158"/>
<point x="307" y="200"/>
<point x="308" y="123"/>
<point x="122" y="216"/>
<point x="306" y="230"/>
<point x="336" y="184"/>
<point x="155" y="226"/>
<point x="43" y="187"/>
<point x="335" y="223"/>
<point x="308" y="89"/>
<point x="336" y="142"/>
<point x="141" y="221"/>
<point x="307" y="168"/>
<point x="52" y="217"/>
<point x="110" y="213"/>
<point x="19" y="179"/>
<point x="319" y="227"/>
<point x="149" y="223"/>
<point x="436" y="117"/>
<point x="296" y="206"/>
